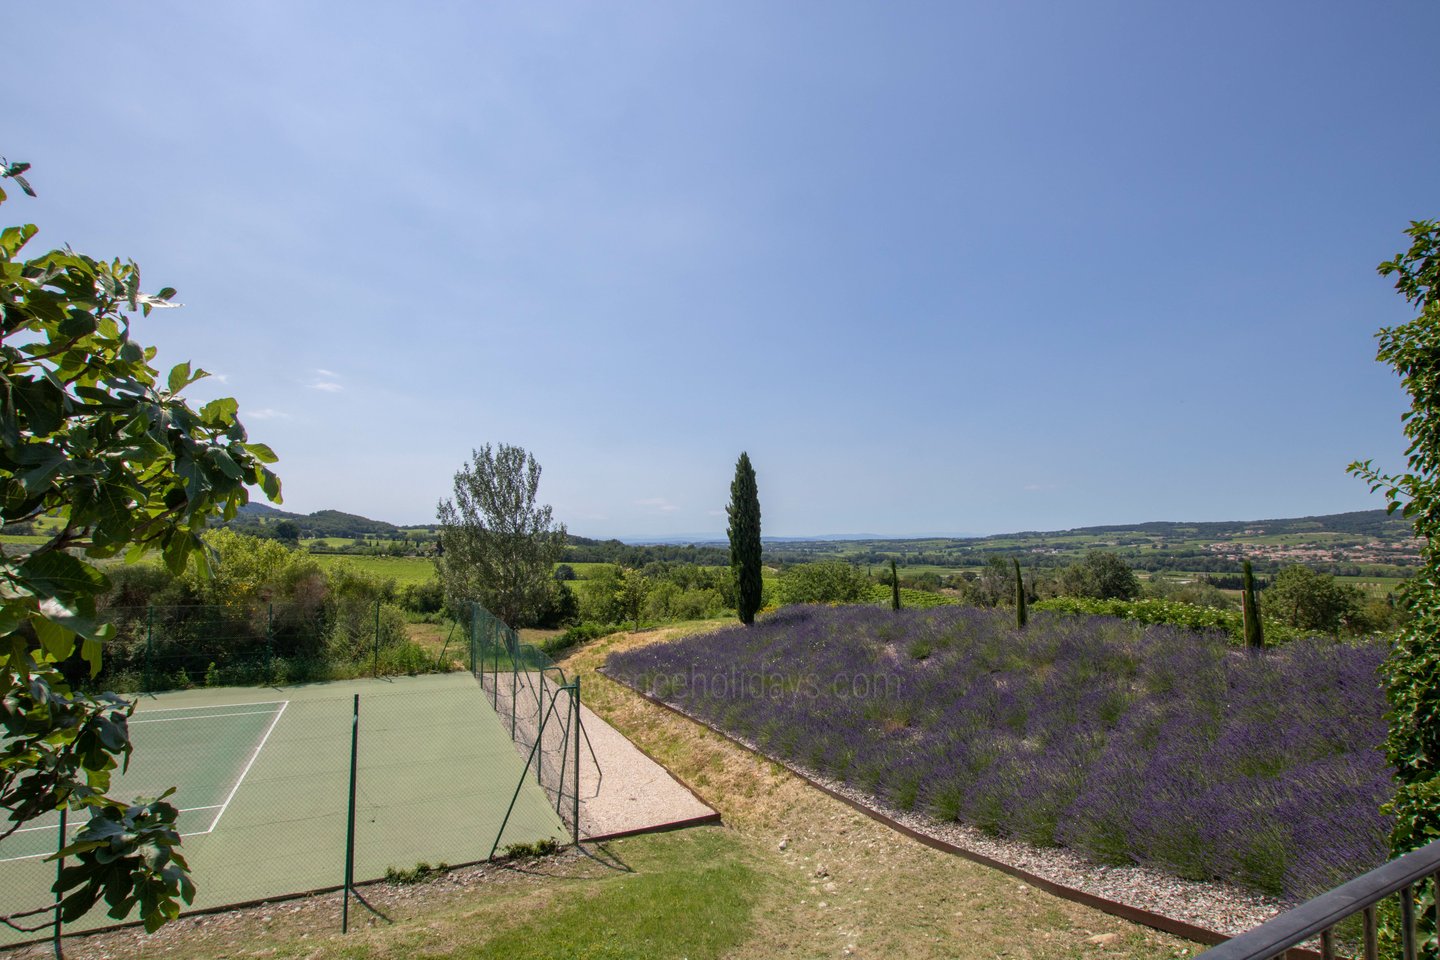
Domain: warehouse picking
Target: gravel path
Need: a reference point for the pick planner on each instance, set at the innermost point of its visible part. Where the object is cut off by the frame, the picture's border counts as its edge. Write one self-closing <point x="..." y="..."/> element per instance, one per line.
<point x="635" y="793"/>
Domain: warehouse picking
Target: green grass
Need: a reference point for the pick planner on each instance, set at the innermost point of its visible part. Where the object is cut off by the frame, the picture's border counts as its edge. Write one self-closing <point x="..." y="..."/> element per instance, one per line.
<point x="403" y="570"/>
<point x="687" y="894"/>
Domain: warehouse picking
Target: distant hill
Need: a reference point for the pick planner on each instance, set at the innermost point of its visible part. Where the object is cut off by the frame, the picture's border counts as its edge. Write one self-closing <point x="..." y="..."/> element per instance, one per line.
<point x="1368" y="542"/>
<point x="322" y="523"/>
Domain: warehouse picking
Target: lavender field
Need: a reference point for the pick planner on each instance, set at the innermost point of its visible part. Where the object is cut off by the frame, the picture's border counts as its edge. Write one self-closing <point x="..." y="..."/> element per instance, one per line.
<point x="1130" y="743"/>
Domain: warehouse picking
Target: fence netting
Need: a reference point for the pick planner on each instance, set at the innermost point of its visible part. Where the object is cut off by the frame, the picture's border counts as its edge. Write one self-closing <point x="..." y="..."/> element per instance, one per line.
<point x="453" y="764"/>
<point x="540" y="707"/>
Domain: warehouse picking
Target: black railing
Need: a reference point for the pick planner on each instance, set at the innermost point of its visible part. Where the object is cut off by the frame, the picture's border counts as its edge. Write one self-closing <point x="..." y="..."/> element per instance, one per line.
<point x="1320" y="917"/>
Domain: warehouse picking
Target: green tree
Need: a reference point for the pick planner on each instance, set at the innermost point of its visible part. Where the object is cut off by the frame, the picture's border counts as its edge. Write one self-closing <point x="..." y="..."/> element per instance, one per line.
<point x="91" y="433"/>
<point x="894" y="587"/>
<point x="1099" y="574"/>
<point x="499" y="545"/>
<point x="1021" y="615"/>
<point x="1412" y="672"/>
<point x="825" y="581"/>
<point x="630" y="599"/>
<point x="1310" y="600"/>
<point x="1250" y="609"/>
<point x="744" y="513"/>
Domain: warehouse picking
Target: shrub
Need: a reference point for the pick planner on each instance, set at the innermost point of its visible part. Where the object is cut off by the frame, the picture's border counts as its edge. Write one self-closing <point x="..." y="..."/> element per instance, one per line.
<point x="1129" y="742"/>
<point x="1169" y="612"/>
<point x="826" y="581"/>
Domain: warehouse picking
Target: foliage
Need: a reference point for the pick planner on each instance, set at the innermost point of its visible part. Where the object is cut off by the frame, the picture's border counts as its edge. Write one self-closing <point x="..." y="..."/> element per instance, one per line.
<point x="744" y="530"/>
<point x="1250" y="610"/>
<point x="828" y="581"/>
<point x="630" y="598"/>
<point x="1130" y="743"/>
<point x="1170" y="612"/>
<point x="1021" y="615"/>
<point x="1102" y="575"/>
<point x="422" y="872"/>
<point x="525" y="850"/>
<point x="577" y="634"/>
<point x="1313" y="601"/>
<point x="499" y="546"/>
<point x="894" y="587"/>
<point x="879" y="595"/>
<point x="1413" y="670"/>
<point x="92" y="434"/>
<point x="270" y="614"/>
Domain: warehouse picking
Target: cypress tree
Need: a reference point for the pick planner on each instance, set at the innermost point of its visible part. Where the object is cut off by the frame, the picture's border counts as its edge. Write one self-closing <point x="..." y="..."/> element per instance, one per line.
<point x="1021" y="614"/>
<point x="744" y="512"/>
<point x="1254" y="635"/>
<point x="894" y="587"/>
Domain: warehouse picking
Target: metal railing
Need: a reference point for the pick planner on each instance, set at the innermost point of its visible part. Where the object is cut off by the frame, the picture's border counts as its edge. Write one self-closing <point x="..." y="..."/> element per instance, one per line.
<point x="1362" y="896"/>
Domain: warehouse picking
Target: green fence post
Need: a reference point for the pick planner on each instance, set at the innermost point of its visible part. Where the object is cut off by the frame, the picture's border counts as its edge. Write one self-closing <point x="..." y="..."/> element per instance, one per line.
<point x="575" y="826"/>
<point x="149" y="639"/>
<point x="350" y="820"/>
<point x="269" y="638"/>
<point x="59" y="871"/>
<point x="375" y="667"/>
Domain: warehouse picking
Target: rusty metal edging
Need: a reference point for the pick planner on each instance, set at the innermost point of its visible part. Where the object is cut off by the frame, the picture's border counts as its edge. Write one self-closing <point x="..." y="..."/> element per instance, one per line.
<point x="704" y="819"/>
<point x="1125" y="911"/>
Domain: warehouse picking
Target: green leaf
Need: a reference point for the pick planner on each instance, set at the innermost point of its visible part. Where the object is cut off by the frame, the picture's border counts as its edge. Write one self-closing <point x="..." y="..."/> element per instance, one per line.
<point x="219" y="412"/>
<point x="179" y="377"/>
<point x="56" y="574"/>
<point x="261" y="452"/>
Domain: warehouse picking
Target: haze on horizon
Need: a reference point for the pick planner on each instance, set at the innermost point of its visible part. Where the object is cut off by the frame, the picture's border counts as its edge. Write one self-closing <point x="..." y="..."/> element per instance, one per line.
<point x="936" y="267"/>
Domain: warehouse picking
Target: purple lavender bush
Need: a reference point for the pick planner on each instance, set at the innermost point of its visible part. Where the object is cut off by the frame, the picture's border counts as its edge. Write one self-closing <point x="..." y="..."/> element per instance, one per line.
<point x="1130" y="743"/>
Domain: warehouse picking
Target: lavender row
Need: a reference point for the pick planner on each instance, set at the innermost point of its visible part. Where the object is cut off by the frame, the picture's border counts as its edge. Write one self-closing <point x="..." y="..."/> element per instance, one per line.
<point x="1131" y="743"/>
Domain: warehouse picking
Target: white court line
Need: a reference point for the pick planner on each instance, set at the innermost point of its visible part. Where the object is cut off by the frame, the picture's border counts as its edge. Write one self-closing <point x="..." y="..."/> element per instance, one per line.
<point x="75" y="828"/>
<point x="253" y="757"/>
<point x="208" y="716"/>
<point x="212" y="706"/>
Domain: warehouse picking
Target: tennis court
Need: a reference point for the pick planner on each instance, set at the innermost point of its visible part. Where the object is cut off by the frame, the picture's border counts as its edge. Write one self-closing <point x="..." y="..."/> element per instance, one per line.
<point x="263" y="786"/>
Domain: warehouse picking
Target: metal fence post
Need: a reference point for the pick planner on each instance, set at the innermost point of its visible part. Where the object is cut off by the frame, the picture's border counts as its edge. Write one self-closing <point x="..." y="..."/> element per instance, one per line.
<point x="575" y="826"/>
<point x="350" y="820"/>
<point x="59" y="870"/>
<point x="375" y="666"/>
<point x="269" y="637"/>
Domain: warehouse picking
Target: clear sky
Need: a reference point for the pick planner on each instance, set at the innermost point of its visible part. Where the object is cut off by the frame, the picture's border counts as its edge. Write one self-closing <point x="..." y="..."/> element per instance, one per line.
<point x="953" y="266"/>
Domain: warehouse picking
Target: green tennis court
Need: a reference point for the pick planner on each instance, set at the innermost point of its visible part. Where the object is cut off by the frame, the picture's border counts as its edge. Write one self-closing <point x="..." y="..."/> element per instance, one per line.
<point x="263" y="780"/>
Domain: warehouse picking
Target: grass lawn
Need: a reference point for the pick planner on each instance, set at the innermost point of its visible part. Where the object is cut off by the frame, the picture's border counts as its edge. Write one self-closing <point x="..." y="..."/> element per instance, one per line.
<point x="793" y="873"/>
<point x="403" y="570"/>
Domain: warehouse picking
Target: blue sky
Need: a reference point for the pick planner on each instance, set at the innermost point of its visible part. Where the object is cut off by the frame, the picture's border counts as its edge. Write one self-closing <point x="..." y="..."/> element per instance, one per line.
<point x="968" y="267"/>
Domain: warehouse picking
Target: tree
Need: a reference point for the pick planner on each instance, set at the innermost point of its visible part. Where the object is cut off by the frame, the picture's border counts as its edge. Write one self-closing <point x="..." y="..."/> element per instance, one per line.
<point x="1310" y="600"/>
<point x="1099" y="574"/>
<point x="287" y="532"/>
<point x="499" y="545"/>
<point x="825" y="581"/>
<point x="90" y="434"/>
<point x="630" y="599"/>
<point x="1412" y="671"/>
<point x="894" y="587"/>
<point x="1021" y="615"/>
<point x="1250" y="609"/>
<point x="744" y="513"/>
